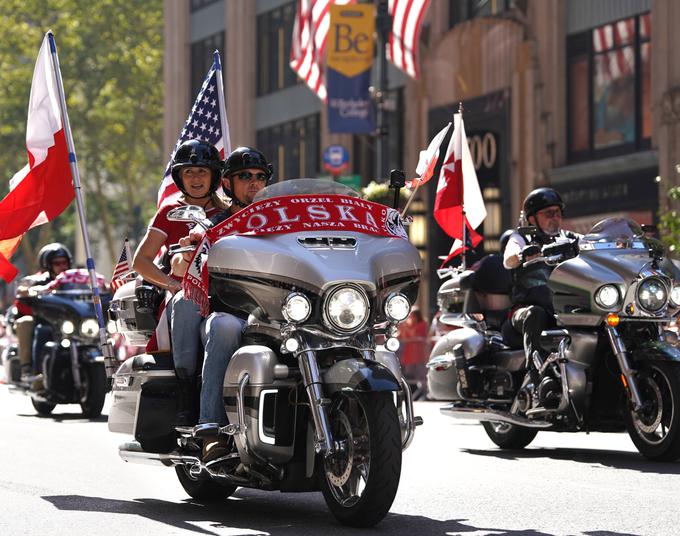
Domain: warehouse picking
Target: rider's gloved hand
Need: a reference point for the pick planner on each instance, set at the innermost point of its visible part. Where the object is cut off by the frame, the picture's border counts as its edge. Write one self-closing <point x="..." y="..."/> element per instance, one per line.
<point x="529" y="252"/>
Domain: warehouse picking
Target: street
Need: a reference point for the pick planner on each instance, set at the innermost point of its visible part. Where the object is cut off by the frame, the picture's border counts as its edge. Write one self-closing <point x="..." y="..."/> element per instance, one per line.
<point x="63" y="474"/>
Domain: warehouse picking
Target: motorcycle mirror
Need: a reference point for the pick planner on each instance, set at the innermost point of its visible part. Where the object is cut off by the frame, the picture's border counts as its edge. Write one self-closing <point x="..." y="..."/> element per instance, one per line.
<point x="397" y="178"/>
<point x="189" y="213"/>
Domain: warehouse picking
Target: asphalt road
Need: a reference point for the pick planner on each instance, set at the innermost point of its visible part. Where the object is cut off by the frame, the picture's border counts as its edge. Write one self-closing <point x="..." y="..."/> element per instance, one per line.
<point x="62" y="474"/>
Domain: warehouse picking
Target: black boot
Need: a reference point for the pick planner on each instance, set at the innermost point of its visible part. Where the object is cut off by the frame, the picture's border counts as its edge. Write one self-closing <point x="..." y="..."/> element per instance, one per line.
<point x="186" y="400"/>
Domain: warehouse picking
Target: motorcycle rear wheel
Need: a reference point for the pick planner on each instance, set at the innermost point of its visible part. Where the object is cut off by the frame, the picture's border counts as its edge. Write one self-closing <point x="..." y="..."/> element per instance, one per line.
<point x="509" y="436"/>
<point x="43" y="408"/>
<point x="360" y="482"/>
<point x="201" y="487"/>
<point x="655" y="430"/>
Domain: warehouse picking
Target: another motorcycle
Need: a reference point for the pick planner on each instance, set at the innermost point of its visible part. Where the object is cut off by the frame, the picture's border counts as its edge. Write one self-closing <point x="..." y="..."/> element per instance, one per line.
<point x="72" y="362"/>
<point x="613" y="364"/>
<point x="314" y="402"/>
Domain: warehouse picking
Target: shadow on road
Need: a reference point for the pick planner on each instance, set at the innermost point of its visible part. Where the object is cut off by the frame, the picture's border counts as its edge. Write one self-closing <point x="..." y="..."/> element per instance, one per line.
<point x="64" y="417"/>
<point x="608" y="458"/>
<point x="252" y="512"/>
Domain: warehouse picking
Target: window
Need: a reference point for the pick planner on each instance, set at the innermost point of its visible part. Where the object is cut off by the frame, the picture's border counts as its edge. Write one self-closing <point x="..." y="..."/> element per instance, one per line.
<point x="274" y="34"/>
<point x="195" y="5"/>
<point x="364" y="145"/>
<point x="462" y="10"/>
<point x="202" y="59"/>
<point x="609" y="82"/>
<point x="293" y="147"/>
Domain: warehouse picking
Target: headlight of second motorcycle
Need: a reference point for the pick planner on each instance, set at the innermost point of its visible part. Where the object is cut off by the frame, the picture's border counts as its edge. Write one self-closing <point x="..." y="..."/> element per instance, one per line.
<point x="675" y="296"/>
<point x="607" y="296"/>
<point x="296" y="307"/>
<point x="652" y="294"/>
<point x="397" y="307"/>
<point x="346" y="309"/>
<point x="89" y="328"/>
<point x="67" y="327"/>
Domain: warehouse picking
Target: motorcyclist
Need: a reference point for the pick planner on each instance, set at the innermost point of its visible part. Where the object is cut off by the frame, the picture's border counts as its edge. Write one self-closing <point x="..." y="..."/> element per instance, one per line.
<point x="533" y="309"/>
<point x="246" y="172"/>
<point x="53" y="259"/>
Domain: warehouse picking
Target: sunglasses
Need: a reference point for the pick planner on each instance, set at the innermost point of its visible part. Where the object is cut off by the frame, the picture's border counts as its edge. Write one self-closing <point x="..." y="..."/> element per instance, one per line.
<point x="551" y="213"/>
<point x="247" y="175"/>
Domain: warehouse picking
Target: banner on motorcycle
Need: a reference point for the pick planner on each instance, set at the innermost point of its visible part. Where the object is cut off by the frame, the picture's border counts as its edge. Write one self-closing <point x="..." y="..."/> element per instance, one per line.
<point x="291" y="214"/>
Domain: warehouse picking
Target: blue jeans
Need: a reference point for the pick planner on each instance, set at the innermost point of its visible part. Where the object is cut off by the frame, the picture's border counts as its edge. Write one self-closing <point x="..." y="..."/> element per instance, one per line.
<point x="221" y="335"/>
<point x="185" y="321"/>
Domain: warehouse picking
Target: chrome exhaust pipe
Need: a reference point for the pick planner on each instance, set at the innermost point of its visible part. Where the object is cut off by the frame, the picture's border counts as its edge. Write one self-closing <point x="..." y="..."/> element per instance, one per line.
<point x="132" y="452"/>
<point x="481" y="414"/>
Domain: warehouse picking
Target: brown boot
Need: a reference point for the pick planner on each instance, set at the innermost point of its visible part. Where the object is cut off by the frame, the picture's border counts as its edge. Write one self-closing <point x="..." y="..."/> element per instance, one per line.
<point x="214" y="447"/>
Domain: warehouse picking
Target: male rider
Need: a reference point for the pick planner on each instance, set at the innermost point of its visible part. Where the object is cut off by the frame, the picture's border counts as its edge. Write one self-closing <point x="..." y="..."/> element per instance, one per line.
<point x="246" y="172"/>
<point x="53" y="259"/>
<point x="533" y="309"/>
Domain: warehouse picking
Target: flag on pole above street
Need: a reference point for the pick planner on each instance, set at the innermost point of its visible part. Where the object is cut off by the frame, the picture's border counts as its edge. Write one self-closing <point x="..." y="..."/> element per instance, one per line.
<point x="428" y="159"/>
<point x="402" y="47"/>
<point x="123" y="267"/>
<point x="41" y="190"/>
<point x="459" y="199"/>
<point x="207" y="121"/>
<point x="310" y="32"/>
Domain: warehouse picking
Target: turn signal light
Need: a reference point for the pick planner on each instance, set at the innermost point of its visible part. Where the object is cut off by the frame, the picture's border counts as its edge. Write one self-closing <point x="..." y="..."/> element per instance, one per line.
<point x="613" y="320"/>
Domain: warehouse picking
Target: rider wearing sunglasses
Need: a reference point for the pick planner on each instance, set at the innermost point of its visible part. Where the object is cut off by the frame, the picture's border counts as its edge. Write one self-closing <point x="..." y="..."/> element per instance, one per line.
<point x="533" y="309"/>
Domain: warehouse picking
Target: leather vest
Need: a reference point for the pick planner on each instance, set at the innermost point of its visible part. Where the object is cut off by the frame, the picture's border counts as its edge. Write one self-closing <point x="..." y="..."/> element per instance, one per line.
<point x="530" y="283"/>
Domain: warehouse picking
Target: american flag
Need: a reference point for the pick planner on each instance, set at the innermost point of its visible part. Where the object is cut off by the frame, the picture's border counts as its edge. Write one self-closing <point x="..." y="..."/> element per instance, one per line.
<point x="207" y="121"/>
<point x="613" y="43"/>
<point x="123" y="267"/>
<point x="402" y="47"/>
<point x="309" y="42"/>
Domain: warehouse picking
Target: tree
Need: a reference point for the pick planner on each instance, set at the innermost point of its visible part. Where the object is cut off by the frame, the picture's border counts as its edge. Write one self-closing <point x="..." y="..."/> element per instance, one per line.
<point x="110" y="52"/>
<point x="669" y="221"/>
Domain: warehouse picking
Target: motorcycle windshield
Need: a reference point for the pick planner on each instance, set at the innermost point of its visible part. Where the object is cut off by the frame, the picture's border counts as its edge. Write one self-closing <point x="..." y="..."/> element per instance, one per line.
<point x="614" y="233"/>
<point x="305" y="187"/>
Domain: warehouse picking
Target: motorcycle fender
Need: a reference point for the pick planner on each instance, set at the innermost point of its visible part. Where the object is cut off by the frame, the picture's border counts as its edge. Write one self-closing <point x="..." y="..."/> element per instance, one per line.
<point x="656" y="351"/>
<point x="359" y="375"/>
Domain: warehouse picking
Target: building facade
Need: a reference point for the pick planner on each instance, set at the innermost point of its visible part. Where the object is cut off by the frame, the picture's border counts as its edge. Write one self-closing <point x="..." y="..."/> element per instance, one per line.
<point x="580" y="95"/>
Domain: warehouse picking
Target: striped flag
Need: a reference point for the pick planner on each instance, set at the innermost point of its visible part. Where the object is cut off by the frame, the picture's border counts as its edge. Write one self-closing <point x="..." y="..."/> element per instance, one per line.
<point x="123" y="267"/>
<point x="407" y="20"/>
<point x="207" y="121"/>
<point x="310" y="32"/>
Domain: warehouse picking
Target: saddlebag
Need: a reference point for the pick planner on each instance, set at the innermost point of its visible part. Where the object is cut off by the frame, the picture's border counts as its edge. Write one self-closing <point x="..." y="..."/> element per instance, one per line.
<point x="157" y="408"/>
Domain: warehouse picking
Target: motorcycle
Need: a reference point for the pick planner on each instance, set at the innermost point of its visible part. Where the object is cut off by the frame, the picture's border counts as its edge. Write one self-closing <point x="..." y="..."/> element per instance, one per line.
<point x="612" y="367"/>
<point x="314" y="403"/>
<point x="72" y="364"/>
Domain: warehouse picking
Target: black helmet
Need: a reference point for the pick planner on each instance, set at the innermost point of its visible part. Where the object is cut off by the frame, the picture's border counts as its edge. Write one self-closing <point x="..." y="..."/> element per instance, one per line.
<point x="247" y="158"/>
<point x="540" y="199"/>
<point x="196" y="153"/>
<point x="52" y="251"/>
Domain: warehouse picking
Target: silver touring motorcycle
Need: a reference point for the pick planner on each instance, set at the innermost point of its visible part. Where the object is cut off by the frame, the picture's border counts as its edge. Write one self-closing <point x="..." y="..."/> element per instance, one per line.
<point x="613" y="366"/>
<point x="313" y="402"/>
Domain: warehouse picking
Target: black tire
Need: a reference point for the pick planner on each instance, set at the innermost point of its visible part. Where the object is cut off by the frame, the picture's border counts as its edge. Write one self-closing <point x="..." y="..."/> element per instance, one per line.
<point x="202" y="488"/>
<point x="43" y="408"/>
<point x="655" y="430"/>
<point x="95" y="385"/>
<point x="509" y="436"/>
<point x="353" y="416"/>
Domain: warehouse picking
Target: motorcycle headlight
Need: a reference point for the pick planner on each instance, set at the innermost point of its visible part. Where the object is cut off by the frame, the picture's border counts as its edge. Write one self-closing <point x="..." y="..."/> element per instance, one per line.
<point x="397" y="307"/>
<point x="652" y="294"/>
<point x="675" y="296"/>
<point x="346" y="309"/>
<point x="68" y="327"/>
<point x="89" y="328"/>
<point x="607" y="296"/>
<point x="296" y="308"/>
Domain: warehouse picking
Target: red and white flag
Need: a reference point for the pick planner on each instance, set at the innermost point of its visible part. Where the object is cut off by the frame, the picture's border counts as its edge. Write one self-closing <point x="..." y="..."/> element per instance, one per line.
<point x="123" y="268"/>
<point x="407" y="20"/>
<point x="458" y="189"/>
<point x="428" y="159"/>
<point x="43" y="188"/>
<point x="307" y="50"/>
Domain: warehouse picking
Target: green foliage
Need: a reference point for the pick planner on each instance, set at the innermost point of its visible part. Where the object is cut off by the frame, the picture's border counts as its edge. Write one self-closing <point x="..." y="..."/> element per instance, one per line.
<point x="379" y="192"/>
<point x="670" y="224"/>
<point x="110" y="53"/>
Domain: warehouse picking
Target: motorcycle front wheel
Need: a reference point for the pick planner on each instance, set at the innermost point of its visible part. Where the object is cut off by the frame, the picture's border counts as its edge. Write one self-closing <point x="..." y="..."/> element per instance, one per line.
<point x="94" y="390"/>
<point x="360" y="480"/>
<point x="509" y="436"/>
<point x="655" y="429"/>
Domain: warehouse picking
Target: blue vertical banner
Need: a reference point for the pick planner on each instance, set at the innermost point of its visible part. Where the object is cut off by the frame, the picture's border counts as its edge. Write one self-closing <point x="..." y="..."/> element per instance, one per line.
<point x="348" y="73"/>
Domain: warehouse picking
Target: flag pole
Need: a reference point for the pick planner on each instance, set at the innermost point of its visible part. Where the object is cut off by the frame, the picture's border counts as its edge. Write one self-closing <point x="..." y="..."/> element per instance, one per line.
<point x="107" y="349"/>
<point x="222" y="104"/>
<point x="462" y="183"/>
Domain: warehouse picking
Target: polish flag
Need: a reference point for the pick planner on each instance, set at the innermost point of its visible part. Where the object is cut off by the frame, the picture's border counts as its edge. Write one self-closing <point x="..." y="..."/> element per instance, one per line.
<point x="458" y="190"/>
<point x="43" y="188"/>
<point x="428" y="160"/>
